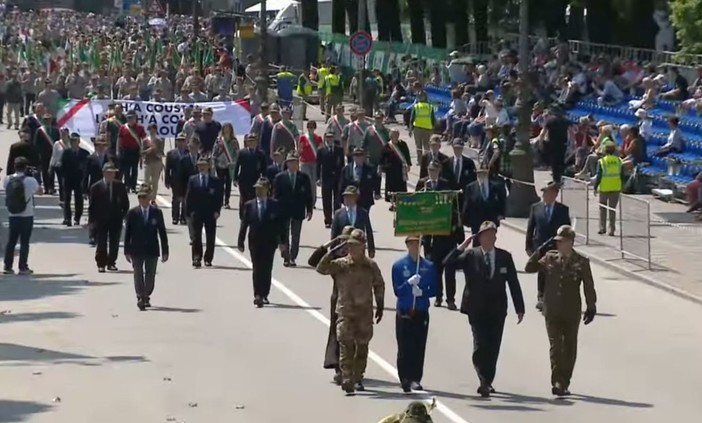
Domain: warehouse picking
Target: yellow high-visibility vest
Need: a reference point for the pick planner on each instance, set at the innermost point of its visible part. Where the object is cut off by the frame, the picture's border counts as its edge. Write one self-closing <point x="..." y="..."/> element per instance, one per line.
<point x="304" y="88"/>
<point x="331" y="82"/>
<point x="381" y="86"/>
<point x="611" y="180"/>
<point x="422" y="115"/>
<point x="322" y="74"/>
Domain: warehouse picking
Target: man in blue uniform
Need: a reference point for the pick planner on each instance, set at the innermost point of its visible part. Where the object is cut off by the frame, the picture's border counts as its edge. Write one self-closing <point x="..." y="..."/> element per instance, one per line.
<point x="414" y="280"/>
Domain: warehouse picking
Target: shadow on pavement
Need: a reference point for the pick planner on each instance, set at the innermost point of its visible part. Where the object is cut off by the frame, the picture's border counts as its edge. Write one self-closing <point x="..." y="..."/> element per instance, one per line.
<point x="237" y="268"/>
<point x="291" y="307"/>
<point x="19" y="411"/>
<point x="28" y="288"/>
<point x="33" y="317"/>
<point x="15" y="354"/>
<point x="176" y="310"/>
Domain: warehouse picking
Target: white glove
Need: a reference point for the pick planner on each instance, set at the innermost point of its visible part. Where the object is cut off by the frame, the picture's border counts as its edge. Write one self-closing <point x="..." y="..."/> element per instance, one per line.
<point x="414" y="280"/>
<point x="416" y="291"/>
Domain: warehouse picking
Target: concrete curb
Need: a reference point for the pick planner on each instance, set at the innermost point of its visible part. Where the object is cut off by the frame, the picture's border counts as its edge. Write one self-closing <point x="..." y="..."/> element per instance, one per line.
<point x="621" y="270"/>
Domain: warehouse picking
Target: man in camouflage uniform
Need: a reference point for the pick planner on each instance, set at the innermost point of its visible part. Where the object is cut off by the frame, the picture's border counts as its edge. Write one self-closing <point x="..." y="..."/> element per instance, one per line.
<point x="358" y="280"/>
<point x="331" y="353"/>
<point x="416" y="412"/>
<point x="565" y="270"/>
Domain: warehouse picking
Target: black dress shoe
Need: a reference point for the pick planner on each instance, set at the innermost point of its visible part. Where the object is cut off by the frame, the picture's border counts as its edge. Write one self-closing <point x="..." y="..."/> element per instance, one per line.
<point x="265" y="301"/>
<point x="241" y="248"/>
<point x="337" y="378"/>
<point x="359" y="387"/>
<point x="147" y="303"/>
<point x="451" y="305"/>
<point x="112" y="268"/>
<point x="292" y="263"/>
<point x="406" y="386"/>
<point x="558" y="391"/>
<point x="197" y="264"/>
<point x="492" y="390"/>
<point x="175" y="221"/>
<point x="183" y="222"/>
<point x="286" y="263"/>
<point x="91" y="242"/>
<point x="76" y="222"/>
<point x="484" y="391"/>
<point x="101" y="269"/>
<point x="437" y="303"/>
<point x="141" y="305"/>
<point x="327" y="225"/>
<point x="258" y="302"/>
<point x="416" y="386"/>
<point x="208" y="264"/>
<point x="67" y="223"/>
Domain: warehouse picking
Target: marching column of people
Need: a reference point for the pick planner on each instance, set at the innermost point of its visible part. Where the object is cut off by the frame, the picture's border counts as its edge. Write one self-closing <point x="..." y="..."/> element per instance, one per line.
<point x="277" y="172"/>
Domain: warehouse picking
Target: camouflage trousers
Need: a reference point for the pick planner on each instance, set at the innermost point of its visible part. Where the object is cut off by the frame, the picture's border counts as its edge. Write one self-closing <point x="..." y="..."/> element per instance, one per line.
<point x="354" y="334"/>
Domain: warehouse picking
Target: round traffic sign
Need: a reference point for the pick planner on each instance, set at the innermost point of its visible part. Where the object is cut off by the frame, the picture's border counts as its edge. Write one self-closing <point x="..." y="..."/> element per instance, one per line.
<point x="361" y="43"/>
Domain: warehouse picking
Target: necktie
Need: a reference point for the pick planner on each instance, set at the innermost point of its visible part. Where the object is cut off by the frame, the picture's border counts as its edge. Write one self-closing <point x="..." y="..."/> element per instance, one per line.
<point x="145" y="212"/>
<point x="352" y="216"/>
<point x="261" y="209"/>
<point x="488" y="265"/>
<point x="357" y="173"/>
<point x="109" y="186"/>
<point x="548" y="212"/>
<point x="484" y="190"/>
<point x="457" y="169"/>
<point x="203" y="181"/>
<point x="292" y="179"/>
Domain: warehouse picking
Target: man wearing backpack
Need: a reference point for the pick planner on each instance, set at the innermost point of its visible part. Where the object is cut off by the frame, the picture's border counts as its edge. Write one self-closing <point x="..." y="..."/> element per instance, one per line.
<point x="20" y="190"/>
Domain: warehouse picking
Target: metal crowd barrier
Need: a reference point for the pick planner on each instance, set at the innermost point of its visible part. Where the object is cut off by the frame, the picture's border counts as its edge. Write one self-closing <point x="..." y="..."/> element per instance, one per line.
<point x="633" y="220"/>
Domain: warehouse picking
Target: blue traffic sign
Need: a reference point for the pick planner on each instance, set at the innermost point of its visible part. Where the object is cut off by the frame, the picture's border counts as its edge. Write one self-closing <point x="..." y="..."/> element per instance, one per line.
<point x="360" y="43"/>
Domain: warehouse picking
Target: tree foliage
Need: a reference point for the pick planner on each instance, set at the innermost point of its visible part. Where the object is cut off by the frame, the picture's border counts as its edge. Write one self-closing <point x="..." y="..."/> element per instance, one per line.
<point x="687" y="20"/>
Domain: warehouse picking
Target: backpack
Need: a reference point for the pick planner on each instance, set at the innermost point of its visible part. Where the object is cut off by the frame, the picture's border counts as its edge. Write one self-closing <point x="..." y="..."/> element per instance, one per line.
<point x="15" y="199"/>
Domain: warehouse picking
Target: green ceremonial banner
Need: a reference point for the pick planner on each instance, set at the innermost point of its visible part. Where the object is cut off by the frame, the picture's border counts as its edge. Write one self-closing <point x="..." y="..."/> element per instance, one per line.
<point x="424" y="213"/>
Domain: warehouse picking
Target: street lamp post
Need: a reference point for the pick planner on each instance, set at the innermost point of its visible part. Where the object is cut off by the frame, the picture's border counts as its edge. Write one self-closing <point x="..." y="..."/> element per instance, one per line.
<point x="262" y="77"/>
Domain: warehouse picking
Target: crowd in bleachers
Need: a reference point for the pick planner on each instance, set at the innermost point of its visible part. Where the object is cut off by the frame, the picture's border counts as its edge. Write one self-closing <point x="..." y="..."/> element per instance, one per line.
<point x="651" y="113"/>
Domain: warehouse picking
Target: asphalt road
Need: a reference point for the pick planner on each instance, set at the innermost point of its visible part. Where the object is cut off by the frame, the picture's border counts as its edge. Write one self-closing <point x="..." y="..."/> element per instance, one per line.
<point x="74" y="348"/>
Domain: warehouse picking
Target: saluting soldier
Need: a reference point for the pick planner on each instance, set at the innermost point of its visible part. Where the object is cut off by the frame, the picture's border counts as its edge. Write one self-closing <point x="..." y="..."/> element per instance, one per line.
<point x="488" y="271"/>
<point x="248" y="169"/>
<point x="376" y="138"/>
<point x="107" y="208"/>
<point x="565" y="270"/>
<point x="414" y="282"/>
<point x="361" y="175"/>
<point x="331" y="353"/>
<point x="438" y="247"/>
<point x="174" y="180"/>
<point x="359" y="280"/>
<point x="396" y="164"/>
<point x="292" y="190"/>
<point x="203" y="204"/>
<point x="354" y="132"/>
<point x="263" y="216"/>
<point x="144" y="228"/>
<point x="330" y="163"/>
<point x="285" y="134"/>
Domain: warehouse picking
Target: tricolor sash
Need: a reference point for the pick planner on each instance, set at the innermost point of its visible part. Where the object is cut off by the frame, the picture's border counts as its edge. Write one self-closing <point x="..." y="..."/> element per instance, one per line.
<point x="358" y="128"/>
<point x="283" y="124"/>
<point x="400" y="156"/>
<point x="46" y="136"/>
<point x="313" y="145"/>
<point x="135" y="136"/>
<point x="229" y="154"/>
<point x="383" y="142"/>
<point x="338" y="124"/>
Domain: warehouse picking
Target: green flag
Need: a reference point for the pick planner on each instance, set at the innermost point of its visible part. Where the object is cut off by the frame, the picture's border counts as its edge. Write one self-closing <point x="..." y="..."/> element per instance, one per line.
<point x="424" y="213"/>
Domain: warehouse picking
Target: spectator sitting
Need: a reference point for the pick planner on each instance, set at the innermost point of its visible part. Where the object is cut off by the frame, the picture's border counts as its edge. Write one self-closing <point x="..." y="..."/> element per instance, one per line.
<point x="603" y="140"/>
<point x="607" y="91"/>
<point x="675" y="143"/>
<point x="645" y="124"/>
<point x="680" y="87"/>
<point x="633" y="148"/>
<point x="649" y="98"/>
<point x="582" y="142"/>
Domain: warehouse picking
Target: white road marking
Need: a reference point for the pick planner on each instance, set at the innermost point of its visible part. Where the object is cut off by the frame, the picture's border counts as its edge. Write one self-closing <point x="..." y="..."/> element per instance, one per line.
<point x="299" y="301"/>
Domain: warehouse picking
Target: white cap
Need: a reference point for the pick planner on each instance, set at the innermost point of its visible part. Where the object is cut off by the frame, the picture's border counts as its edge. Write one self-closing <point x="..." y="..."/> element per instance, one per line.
<point x="641" y="113"/>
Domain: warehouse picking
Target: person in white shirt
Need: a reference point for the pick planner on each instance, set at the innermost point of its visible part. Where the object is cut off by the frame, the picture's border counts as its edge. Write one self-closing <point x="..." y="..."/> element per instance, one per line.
<point x="55" y="161"/>
<point x="21" y="215"/>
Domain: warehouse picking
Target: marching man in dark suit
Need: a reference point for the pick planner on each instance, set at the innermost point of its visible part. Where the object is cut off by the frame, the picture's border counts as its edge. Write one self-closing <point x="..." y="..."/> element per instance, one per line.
<point x="351" y="214"/>
<point x="174" y="181"/>
<point x="330" y="163"/>
<point x="94" y="172"/>
<point x="263" y="217"/>
<point x="433" y="155"/>
<point x="483" y="200"/>
<point x="545" y="218"/>
<point x="277" y="166"/>
<point x="203" y="203"/>
<point x="145" y="227"/>
<point x="459" y="170"/>
<point x="362" y="176"/>
<point x="107" y="208"/>
<point x="438" y="247"/>
<point x="188" y="168"/>
<point x="73" y="163"/>
<point x="250" y="166"/>
<point x="292" y="190"/>
<point x="487" y="271"/>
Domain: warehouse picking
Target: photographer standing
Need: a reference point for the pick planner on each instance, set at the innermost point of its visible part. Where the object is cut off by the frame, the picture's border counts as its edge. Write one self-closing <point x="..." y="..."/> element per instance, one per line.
<point x="20" y="189"/>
